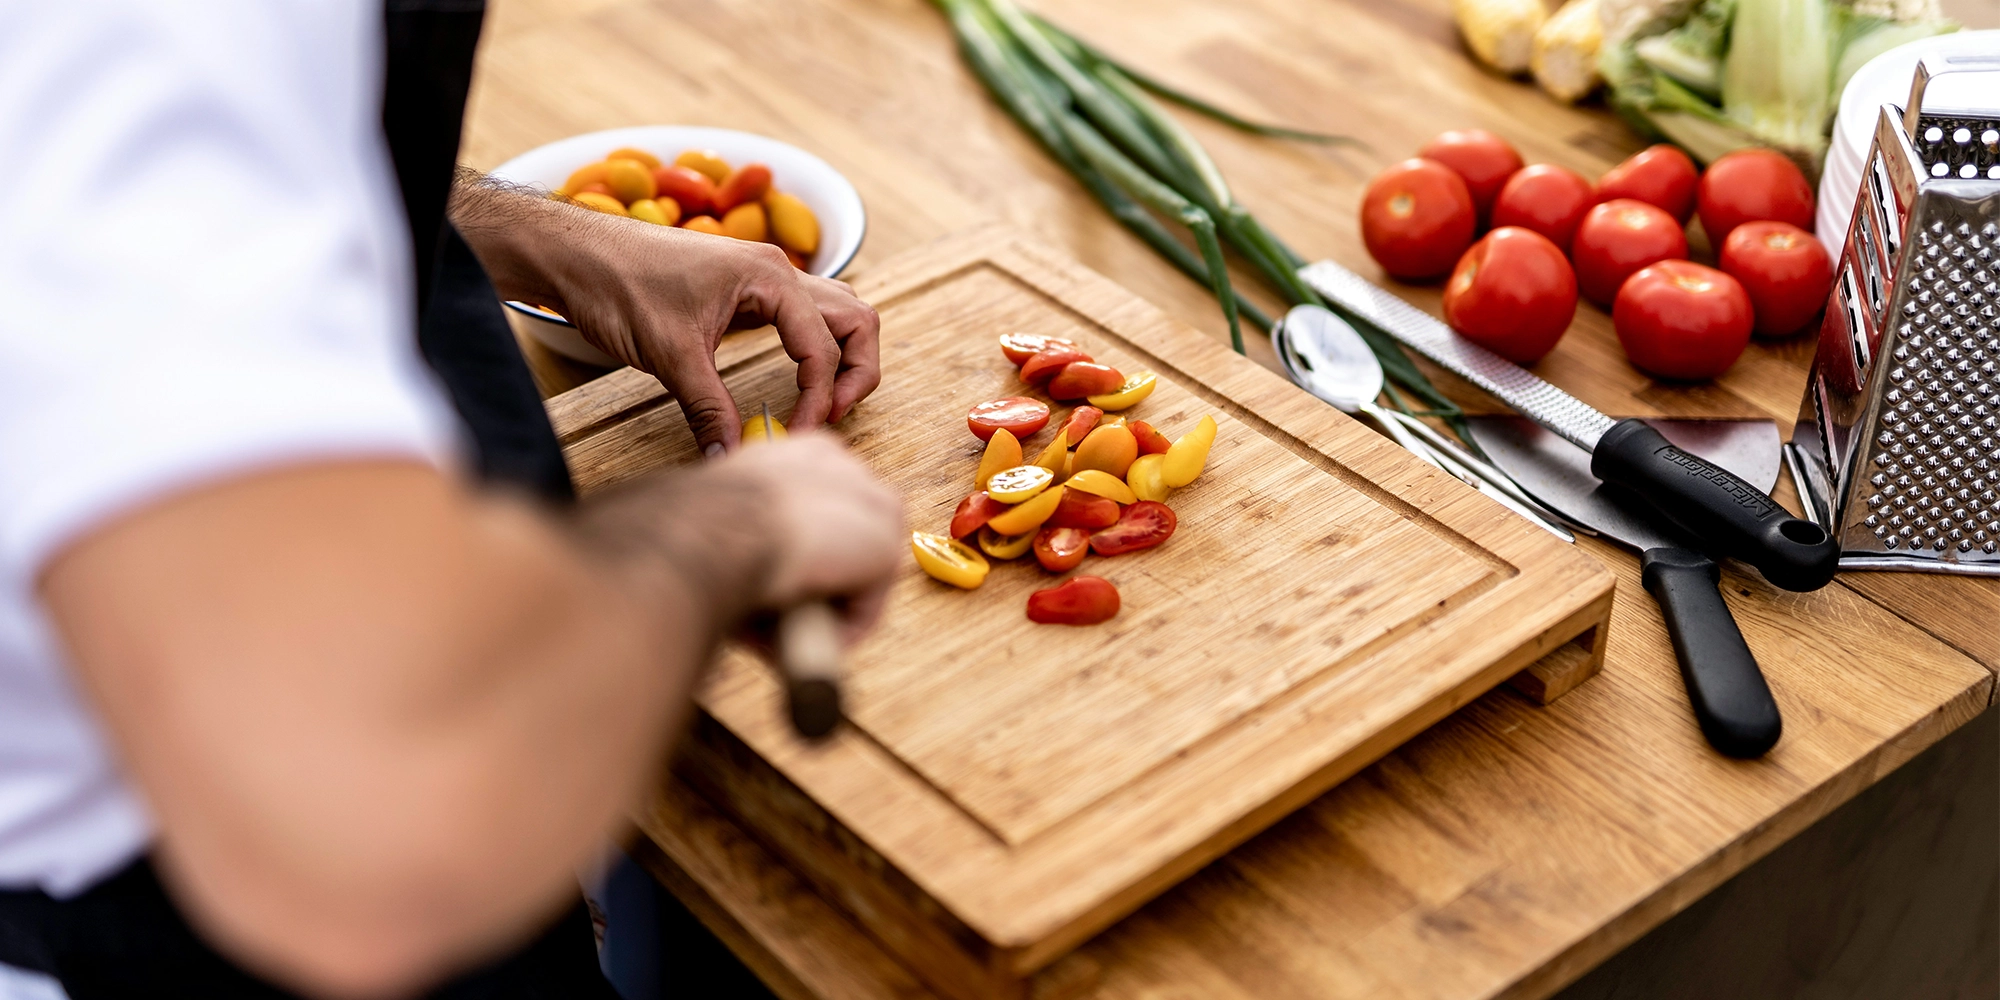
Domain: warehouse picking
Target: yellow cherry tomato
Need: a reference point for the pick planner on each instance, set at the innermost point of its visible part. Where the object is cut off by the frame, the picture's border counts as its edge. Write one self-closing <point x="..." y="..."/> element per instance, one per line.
<point x="589" y="173"/>
<point x="648" y="210"/>
<point x="753" y="430"/>
<point x="1003" y="451"/>
<point x="1187" y="456"/>
<point x="630" y="180"/>
<point x="746" y="222"/>
<point x="1109" y="448"/>
<point x="949" y="560"/>
<point x="1145" y="480"/>
<point x="1055" y="457"/>
<point x="650" y="161"/>
<point x="1136" y="388"/>
<point x="1026" y="517"/>
<point x="1018" y="484"/>
<point x="599" y="202"/>
<point x="1001" y="546"/>
<point x="794" y="225"/>
<point x="1103" y="484"/>
<point x="704" y="224"/>
<point x="706" y="162"/>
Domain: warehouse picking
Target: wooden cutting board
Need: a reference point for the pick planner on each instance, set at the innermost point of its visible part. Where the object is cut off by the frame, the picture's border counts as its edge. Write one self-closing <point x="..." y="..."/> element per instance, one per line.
<point x="1008" y="789"/>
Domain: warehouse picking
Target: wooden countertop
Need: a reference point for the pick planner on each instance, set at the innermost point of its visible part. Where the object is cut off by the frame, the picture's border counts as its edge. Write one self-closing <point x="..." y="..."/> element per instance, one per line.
<point x="1510" y="848"/>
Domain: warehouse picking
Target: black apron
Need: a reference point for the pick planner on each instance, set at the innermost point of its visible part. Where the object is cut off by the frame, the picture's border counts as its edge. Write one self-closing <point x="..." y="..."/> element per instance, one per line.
<point x="124" y="937"/>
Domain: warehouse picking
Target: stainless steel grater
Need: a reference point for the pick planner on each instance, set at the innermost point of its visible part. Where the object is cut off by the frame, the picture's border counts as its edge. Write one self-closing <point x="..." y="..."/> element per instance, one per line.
<point x="1897" y="447"/>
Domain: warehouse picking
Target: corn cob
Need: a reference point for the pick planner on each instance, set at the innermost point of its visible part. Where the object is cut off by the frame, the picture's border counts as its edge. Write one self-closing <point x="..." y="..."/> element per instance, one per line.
<point x="1500" y="32"/>
<point x="1565" y="53"/>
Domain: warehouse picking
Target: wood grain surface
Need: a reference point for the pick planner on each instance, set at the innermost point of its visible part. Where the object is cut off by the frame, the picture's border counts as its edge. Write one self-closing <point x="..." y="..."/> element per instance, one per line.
<point x="1507" y="849"/>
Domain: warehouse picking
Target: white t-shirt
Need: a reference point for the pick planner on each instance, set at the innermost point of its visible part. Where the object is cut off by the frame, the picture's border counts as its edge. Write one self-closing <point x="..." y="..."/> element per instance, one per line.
<point x="204" y="270"/>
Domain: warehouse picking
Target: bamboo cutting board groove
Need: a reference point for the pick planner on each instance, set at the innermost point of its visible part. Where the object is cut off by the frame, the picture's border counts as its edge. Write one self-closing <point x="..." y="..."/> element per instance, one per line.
<point x="1006" y="789"/>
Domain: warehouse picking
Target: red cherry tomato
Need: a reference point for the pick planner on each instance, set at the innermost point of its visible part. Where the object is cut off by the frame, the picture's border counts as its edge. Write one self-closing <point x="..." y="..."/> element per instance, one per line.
<point x="1480" y="158"/>
<point x="973" y="512"/>
<point x="1680" y="320"/>
<point x="1084" y="378"/>
<point x="1020" y="415"/>
<point x="1661" y="176"/>
<point x="1060" y="550"/>
<point x="1752" y="185"/>
<point x="747" y="184"/>
<point x="1019" y="347"/>
<point x="1081" y="600"/>
<point x="1141" y="526"/>
<point x="1045" y="364"/>
<point x="1618" y="238"/>
<point x="689" y="188"/>
<point x="1546" y="198"/>
<point x="1785" y="271"/>
<point x="1151" y="441"/>
<point x="1513" y="293"/>
<point x="1080" y="421"/>
<point x="1088" y="511"/>
<point x="1416" y="218"/>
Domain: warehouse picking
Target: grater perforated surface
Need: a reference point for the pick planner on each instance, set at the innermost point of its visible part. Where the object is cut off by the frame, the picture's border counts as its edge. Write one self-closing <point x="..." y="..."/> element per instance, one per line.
<point x="1966" y="148"/>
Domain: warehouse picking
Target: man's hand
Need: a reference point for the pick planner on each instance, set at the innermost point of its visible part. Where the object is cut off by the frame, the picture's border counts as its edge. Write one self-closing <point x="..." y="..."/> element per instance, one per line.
<point x="659" y="299"/>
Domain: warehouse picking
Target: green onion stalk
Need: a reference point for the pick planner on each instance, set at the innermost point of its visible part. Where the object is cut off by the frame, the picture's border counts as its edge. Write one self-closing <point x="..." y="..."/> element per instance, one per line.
<point x="1100" y="120"/>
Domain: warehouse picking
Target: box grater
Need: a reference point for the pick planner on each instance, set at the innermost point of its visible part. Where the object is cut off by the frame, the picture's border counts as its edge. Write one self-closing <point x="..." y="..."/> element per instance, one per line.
<point x="1897" y="448"/>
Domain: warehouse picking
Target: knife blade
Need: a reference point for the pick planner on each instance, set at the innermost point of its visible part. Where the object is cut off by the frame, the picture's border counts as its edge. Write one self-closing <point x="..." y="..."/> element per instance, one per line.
<point x="1724" y="514"/>
<point x="808" y="655"/>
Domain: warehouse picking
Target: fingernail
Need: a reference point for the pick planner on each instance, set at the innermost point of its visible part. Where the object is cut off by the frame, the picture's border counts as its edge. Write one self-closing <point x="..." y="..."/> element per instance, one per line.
<point x="714" y="450"/>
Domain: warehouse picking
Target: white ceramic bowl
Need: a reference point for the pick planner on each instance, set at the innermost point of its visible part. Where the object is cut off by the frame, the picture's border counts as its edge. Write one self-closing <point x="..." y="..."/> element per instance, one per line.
<point x="842" y="221"/>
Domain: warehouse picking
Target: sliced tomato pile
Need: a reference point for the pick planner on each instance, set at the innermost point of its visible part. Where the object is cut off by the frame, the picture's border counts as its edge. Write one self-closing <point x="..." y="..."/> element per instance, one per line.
<point x="1095" y="487"/>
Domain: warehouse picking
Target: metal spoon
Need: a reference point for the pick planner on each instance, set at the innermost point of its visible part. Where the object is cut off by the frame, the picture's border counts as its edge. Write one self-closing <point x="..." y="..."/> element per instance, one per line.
<point x="1325" y="356"/>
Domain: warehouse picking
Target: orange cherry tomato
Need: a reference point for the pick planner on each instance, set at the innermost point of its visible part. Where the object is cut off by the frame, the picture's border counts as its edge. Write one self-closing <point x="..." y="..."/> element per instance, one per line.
<point x="1111" y="449"/>
<point x="1142" y="526"/>
<point x="1084" y="378"/>
<point x="1045" y="364"/>
<point x="1019" y="347"/>
<point x="743" y="186"/>
<point x="1080" y="422"/>
<point x="704" y="224"/>
<point x="1082" y="600"/>
<point x="694" y="193"/>
<point x="1151" y="442"/>
<point x="973" y="513"/>
<point x="1020" y="415"/>
<point x="1003" y="452"/>
<point x="1060" y="550"/>
<point x="1079" y="510"/>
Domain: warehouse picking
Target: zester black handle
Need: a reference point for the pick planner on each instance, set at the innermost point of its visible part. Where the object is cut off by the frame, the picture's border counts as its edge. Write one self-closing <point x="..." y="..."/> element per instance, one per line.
<point x="1730" y="698"/>
<point x="1725" y="515"/>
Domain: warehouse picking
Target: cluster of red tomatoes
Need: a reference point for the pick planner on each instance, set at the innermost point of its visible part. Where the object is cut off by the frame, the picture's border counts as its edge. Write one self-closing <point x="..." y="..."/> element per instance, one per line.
<point x="1622" y="243"/>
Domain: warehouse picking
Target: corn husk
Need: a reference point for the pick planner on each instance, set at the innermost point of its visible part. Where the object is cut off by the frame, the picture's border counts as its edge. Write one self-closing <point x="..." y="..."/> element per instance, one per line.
<point x="1565" y="53"/>
<point x="1501" y="32"/>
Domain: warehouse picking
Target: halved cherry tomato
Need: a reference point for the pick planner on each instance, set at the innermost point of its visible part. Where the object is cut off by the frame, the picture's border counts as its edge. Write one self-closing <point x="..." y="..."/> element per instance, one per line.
<point x="1128" y="394"/>
<point x="949" y="560"/>
<point x="753" y="430"/>
<point x="1020" y="415"/>
<point x="1080" y="509"/>
<point x="1548" y="199"/>
<point x="1618" y="238"/>
<point x="1111" y="449"/>
<point x="1080" y="422"/>
<point x="1079" y="379"/>
<point x="1482" y="159"/>
<point x="1141" y="526"/>
<point x="1151" y="442"/>
<point x="1082" y="600"/>
<point x="1055" y="457"/>
<point x="1060" y="550"/>
<point x="1019" y="347"/>
<point x="1003" y="452"/>
<point x="973" y="512"/>
<point x="1047" y="363"/>
<point x="1146" y="478"/>
<point x="1189" y="455"/>
<point x="1001" y="546"/>
<point x="1416" y="218"/>
<point x="1026" y="517"/>
<point x="694" y="193"/>
<point x="743" y="187"/>
<point x="1019" y="484"/>
<point x="1100" y="483"/>
<point x="1661" y="176"/>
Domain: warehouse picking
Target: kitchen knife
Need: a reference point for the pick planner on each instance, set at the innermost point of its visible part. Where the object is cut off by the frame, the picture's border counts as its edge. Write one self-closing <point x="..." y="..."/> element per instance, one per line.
<point x="808" y="653"/>
<point x="1719" y="511"/>
<point x="1731" y="700"/>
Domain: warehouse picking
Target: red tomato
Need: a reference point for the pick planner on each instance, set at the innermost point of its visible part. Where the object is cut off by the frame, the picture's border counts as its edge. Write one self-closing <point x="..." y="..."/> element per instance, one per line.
<point x="1020" y="415"/>
<point x="1752" y="185"/>
<point x="1080" y="421"/>
<point x="1618" y="238"/>
<point x="1045" y="364"/>
<point x="1513" y="294"/>
<point x="1060" y="550"/>
<point x="1661" y="176"/>
<point x="1151" y="441"/>
<point x="1141" y="526"/>
<point x="1019" y="347"/>
<point x="1680" y="320"/>
<point x="1082" y="600"/>
<point x="1546" y="198"/>
<point x="974" y="511"/>
<point x="1089" y="511"/>
<point x="1785" y="271"/>
<point x="1416" y="218"/>
<point x="689" y="188"/>
<point x="1084" y="378"/>
<point x="746" y="185"/>
<point x="1480" y="158"/>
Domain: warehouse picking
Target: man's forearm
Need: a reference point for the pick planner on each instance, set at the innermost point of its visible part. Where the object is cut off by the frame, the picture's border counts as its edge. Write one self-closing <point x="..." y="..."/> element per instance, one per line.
<point x="521" y="239"/>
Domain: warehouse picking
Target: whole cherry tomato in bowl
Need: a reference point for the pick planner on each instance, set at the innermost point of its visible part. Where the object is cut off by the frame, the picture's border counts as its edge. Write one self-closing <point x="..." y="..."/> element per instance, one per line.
<point x="1680" y="320"/>
<point x="1513" y="293"/>
<point x="1618" y="238"/>
<point x="1416" y="218"/>
<point x="1661" y="176"/>
<point x="1480" y="158"/>
<point x="1752" y="185"/>
<point x="1548" y="199"/>
<point x="1785" y="271"/>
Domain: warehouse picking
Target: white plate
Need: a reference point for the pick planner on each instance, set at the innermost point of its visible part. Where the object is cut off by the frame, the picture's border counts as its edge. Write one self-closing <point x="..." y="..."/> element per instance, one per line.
<point x="842" y="221"/>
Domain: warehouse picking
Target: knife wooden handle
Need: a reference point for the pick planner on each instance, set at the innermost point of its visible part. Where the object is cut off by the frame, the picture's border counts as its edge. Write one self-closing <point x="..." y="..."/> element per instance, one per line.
<point x="1730" y="698"/>
<point x="809" y="658"/>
